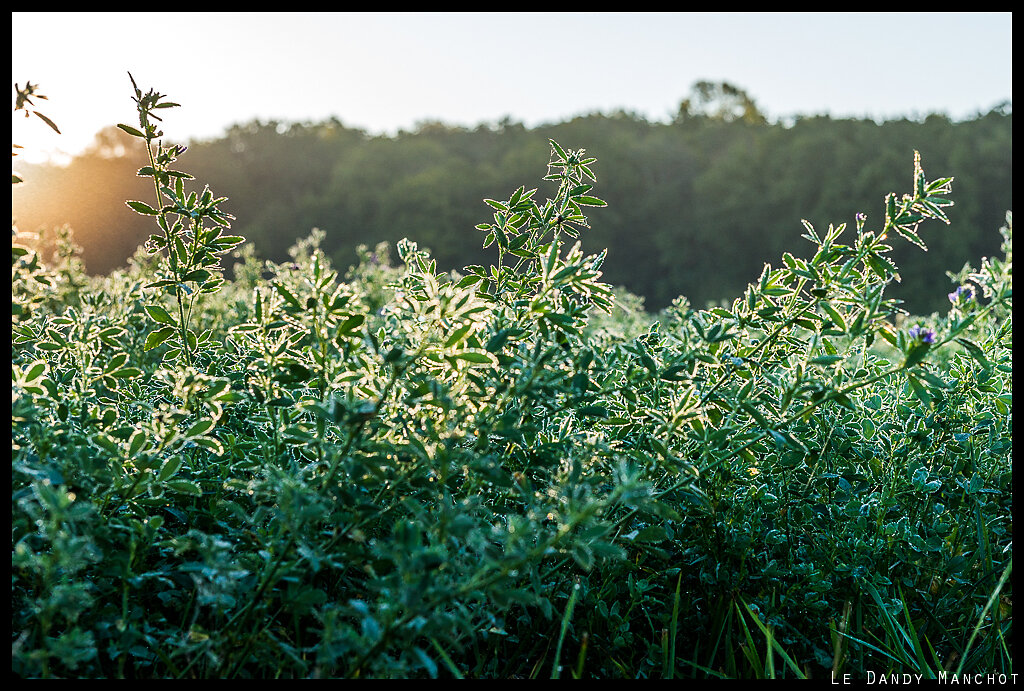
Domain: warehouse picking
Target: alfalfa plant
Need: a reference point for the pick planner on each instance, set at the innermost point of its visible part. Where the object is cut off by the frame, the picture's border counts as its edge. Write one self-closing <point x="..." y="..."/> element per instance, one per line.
<point x="192" y="250"/>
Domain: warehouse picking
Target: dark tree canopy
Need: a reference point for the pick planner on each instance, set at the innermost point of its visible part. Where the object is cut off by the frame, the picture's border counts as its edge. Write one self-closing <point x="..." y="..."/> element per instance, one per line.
<point x="696" y="206"/>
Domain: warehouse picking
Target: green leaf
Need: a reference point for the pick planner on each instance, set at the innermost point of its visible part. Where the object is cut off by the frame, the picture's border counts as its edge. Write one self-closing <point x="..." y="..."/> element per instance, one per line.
<point x="142" y="208"/>
<point x="834" y="315"/>
<point x="676" y="373"/>
<point x="753" y="411"/>
<point x="475" y="356"/>
<point x="908" y="234"/>
<point x="977" y="353"/>
<point x="934" y="381"/>
<point x="882" y="267"/>
<point x="157" y="337"/>
<point x="652" y="533"/>
<point x="132" y="131"/>
<point x="159" y="314"/>
<point x="185" y="487"/>
<point x="35" y="370"/>
<point x="106" y="442"/>
<point x="200" y="428"/>
<point x="844" y="400"/>
<point x="226" y="242"/>
<point x="916" y="354"/>
<point x="458" y="334"/>
<point x="210" y="444"/>
<point x="199" y="275"/>
<point x="286" y="294"/>
<point x="786" y="439"/>
<point x="518" y="241"/>
<point x="607" y="550"/>
<point x="169" y="468"/>
<point x="138" y="440"/>
<point x="351" y="324"/>
<point x="115" y="362"/>
<point x="825" y="359"/>
<point x="495" y="342"/>
<point x="582" y="555"/>
<point x="111" y="335"/>
<point x="469" y="280"/>
<point x="919" y="390"/>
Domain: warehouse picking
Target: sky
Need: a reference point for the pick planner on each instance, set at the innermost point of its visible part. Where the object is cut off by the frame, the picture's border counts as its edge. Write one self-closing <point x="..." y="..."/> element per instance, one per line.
<point x="382" y="72"/>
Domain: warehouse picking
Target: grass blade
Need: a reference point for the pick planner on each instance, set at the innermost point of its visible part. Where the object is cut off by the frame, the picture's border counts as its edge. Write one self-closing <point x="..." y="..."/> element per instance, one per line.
<point x="988" y="605"/>
<point x="555" y="671"/>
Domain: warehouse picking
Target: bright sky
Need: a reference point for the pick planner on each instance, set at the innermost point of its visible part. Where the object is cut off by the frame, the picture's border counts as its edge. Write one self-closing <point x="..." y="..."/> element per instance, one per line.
<point x="385" y="71"/>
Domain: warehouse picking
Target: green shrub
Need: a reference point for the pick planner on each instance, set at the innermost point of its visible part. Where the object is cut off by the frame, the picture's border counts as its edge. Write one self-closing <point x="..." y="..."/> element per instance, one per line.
<point x="413" y="474"/>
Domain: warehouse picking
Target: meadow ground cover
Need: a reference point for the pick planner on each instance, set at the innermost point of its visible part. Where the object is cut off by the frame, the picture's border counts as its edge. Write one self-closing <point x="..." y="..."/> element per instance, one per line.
<point x="510" y="471"/>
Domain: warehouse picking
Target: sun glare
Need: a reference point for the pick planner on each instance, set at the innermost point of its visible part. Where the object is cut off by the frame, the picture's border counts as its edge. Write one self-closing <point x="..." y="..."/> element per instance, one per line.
<point x="37" y="142"/>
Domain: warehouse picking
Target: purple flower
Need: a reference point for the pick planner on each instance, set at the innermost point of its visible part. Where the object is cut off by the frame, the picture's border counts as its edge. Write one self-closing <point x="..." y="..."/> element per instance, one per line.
<point x="921" y="334"/>
<point x="961" y="294"/>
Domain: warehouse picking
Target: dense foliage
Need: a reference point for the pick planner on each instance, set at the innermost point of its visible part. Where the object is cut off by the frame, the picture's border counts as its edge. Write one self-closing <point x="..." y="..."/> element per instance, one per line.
<point x="508" y="471"/>
<point x="696" y="206"/>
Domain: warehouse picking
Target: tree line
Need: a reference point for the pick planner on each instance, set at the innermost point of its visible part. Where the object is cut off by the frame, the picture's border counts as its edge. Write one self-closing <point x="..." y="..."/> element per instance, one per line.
<point x="696" y="205"/>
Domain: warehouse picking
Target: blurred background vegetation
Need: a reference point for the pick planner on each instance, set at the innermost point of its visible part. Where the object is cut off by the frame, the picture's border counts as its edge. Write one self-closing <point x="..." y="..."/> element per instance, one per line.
<point x="696" y="205"/>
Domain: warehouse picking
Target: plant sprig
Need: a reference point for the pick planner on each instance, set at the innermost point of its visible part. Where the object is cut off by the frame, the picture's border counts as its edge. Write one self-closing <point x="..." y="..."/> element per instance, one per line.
<point x="192" y="250"/>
